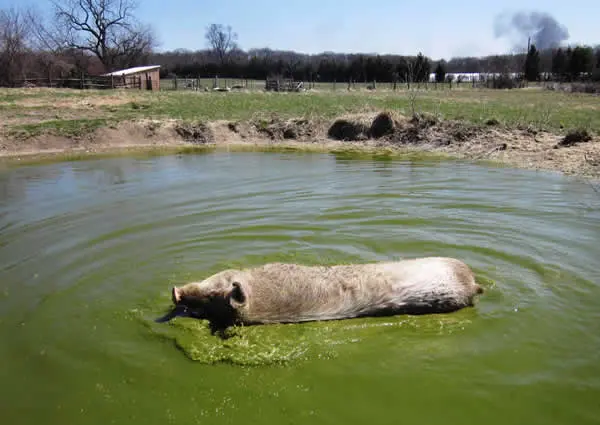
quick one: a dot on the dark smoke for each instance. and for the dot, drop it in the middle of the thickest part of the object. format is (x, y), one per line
(545, 31)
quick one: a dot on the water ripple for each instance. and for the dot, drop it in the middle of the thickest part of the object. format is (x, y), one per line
(90, 249)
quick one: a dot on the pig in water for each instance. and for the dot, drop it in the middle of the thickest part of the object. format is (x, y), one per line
(288, 293)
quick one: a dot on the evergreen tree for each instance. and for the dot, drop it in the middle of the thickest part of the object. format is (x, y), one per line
(422, 67)
(580, 61)
(559, 64)
(440, 72)
(596, 72)
(532, 64)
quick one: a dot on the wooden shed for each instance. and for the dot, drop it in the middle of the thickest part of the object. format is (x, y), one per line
(139, 77)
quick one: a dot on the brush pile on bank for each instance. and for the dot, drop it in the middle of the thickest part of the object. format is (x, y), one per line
(384, 128)
(574, 138)
(281, 129)
(393, 128)
(197, 133)
(349, 130)
(361, 127)
(489, 139)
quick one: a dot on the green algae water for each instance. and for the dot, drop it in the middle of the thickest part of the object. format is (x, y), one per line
(90, 249)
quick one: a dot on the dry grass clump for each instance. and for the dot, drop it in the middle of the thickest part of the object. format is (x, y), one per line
(349, 129)
(383, 125)
(574, 137)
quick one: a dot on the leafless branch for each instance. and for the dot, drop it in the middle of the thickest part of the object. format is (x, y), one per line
(222, 40)
(104, 28)
(14, 37)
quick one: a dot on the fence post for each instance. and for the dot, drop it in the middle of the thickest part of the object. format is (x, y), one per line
(81, 82)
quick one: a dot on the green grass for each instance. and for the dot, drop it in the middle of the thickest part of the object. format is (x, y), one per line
(68, 128)
(531, 108)
(540, 109)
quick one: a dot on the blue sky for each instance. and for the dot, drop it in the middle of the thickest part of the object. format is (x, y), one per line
(438, 28)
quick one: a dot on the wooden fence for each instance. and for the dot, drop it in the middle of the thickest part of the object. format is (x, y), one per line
(207, 83)
(284, 84)
(84, 82)
(271, 84)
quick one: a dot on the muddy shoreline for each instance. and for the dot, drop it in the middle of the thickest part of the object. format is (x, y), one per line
(369, 133)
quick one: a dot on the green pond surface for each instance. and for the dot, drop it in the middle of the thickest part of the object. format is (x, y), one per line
(90, 249)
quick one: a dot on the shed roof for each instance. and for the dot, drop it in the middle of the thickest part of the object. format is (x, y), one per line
(133, 70)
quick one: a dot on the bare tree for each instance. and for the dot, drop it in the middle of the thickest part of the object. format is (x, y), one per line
(14, 34)
(105, 28)
(222, 41)
(409, 71)
(46, 34)
(47, 40)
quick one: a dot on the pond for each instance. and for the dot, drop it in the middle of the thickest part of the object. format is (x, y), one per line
(89, 251)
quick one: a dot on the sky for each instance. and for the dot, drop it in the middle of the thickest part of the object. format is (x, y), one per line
(437, 28)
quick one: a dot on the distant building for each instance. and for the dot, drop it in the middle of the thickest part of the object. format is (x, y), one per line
(139, 77)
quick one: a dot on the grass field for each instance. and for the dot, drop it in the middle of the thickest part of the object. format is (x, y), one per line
(69, 112)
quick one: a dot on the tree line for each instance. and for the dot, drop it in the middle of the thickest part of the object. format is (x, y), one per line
(78, 37)
(566, 64)
(96, 36)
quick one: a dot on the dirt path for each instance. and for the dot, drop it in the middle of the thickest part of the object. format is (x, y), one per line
(523, 148)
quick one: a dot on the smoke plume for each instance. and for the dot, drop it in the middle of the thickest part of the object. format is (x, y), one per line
(545, 31)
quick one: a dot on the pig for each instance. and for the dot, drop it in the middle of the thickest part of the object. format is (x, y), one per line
(293, 293)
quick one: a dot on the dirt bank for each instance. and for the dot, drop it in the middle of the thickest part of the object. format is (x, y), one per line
(575, 153)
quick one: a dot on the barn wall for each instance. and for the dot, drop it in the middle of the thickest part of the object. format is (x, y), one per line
(155, 76)
(132, 80)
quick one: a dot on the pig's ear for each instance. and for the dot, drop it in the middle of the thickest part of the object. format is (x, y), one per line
(175, 295)
(237, 294)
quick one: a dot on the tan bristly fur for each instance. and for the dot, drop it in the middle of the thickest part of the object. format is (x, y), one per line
(280, 292)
